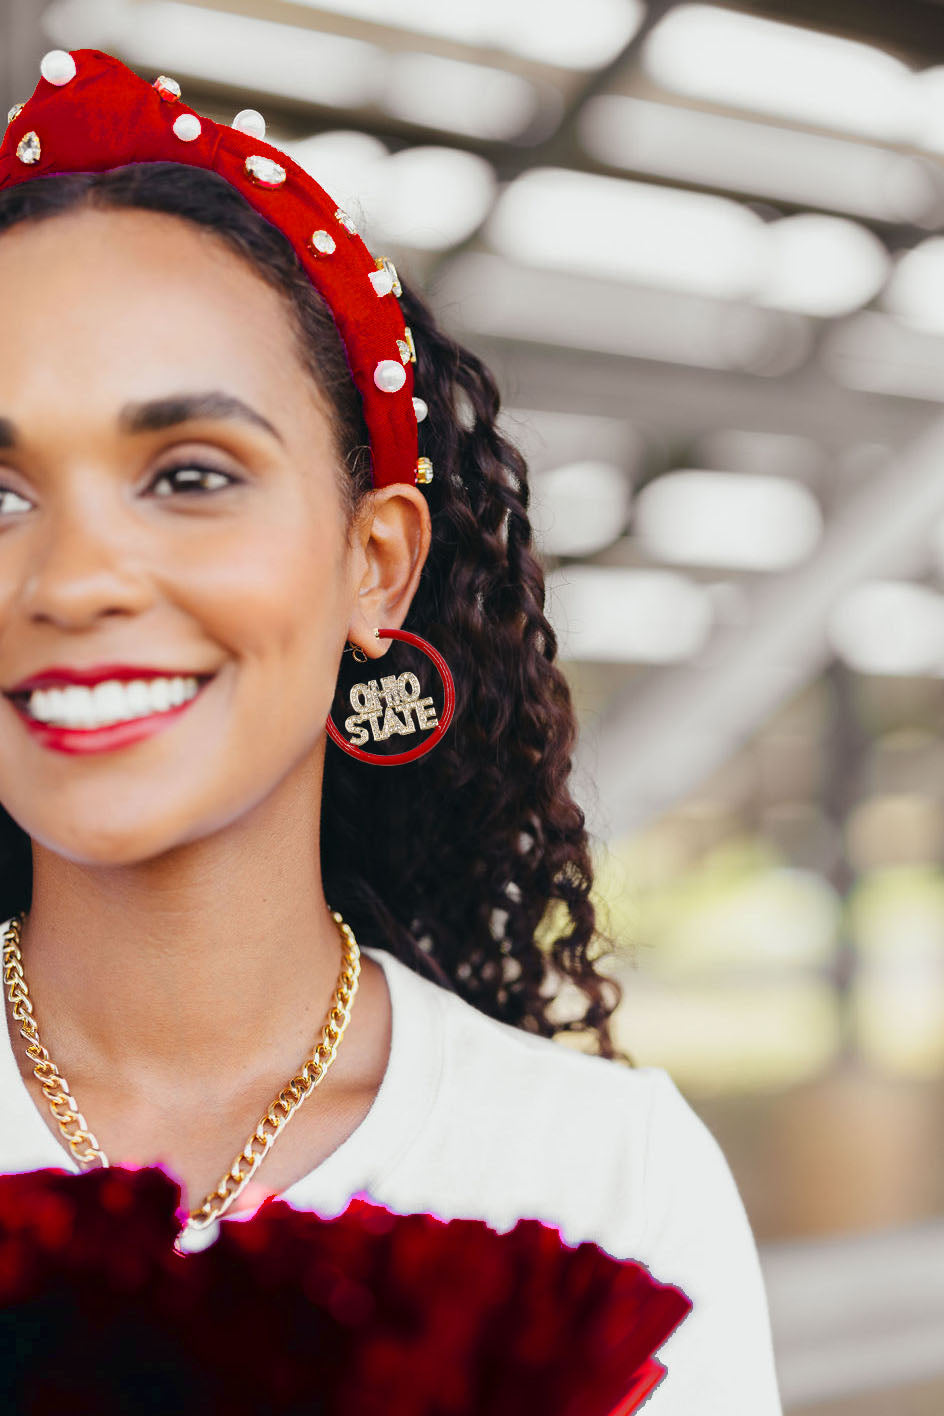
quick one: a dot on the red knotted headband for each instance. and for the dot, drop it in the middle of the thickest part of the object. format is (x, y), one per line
(90, 113)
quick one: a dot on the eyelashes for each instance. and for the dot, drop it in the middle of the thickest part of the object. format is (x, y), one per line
(167, 475)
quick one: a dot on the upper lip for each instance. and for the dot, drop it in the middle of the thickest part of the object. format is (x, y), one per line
(97, 673)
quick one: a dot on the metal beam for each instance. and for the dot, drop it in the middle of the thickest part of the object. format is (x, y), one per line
(560, 147)
(658, 742)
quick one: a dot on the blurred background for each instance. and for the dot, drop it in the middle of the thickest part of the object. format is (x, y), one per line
(699, 245)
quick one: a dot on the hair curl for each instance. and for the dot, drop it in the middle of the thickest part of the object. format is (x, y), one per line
(489, 849)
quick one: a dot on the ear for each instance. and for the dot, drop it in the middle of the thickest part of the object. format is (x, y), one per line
(391, 542)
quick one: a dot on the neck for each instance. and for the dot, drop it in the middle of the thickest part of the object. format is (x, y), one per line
(187, 975)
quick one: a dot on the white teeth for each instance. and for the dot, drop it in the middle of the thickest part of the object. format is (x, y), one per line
(160, 694)
(108, 701)
(111, 702)
(138, 700)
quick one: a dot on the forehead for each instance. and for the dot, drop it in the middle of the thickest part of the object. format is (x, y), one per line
(107, 306)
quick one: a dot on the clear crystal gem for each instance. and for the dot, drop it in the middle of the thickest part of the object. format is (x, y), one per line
(28, 149)
(169, 89)
(380, 280)
(346, 221)
(424, 470)
(406, 347)
(15, 111)
(322, 242)
(264, 171)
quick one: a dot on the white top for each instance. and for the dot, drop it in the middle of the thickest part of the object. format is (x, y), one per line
(476, 1119)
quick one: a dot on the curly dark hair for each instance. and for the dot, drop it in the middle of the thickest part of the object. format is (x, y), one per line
(489, 858)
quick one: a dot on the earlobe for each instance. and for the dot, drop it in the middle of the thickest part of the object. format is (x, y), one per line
(394, 541)
(356, 651)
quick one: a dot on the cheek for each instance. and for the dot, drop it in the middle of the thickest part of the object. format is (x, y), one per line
(267, 592)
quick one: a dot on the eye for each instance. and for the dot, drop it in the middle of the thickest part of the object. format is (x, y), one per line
(195, 475)
(8, 492)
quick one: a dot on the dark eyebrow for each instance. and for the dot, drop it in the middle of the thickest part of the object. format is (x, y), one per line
(161, 413)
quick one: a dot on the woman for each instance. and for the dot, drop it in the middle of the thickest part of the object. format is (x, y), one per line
(194, 488)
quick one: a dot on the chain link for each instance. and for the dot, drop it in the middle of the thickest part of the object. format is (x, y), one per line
(279, 1112)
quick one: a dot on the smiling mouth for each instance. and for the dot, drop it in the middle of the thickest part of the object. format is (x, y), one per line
(72, 708)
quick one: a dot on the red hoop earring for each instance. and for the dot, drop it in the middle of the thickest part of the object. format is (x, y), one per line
(370, 705)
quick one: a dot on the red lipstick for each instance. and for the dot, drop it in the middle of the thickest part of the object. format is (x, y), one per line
(97, 673)
(78, 741)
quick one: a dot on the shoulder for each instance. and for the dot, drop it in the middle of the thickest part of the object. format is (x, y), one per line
(495, 1056)
(501, 1071)
(626, 1134)
(541, 1071)
(548, 1128)
(558, 1122)
(538, 1079)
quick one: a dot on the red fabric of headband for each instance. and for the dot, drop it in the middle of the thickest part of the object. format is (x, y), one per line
(105, 116)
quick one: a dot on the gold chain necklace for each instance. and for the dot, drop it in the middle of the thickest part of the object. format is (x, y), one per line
(75, 1128)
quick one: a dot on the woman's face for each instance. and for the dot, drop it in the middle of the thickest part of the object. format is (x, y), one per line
(111, 320)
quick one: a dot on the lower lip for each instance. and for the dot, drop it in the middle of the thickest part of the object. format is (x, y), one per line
(82, 740)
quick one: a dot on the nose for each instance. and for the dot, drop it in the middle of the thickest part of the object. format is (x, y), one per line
(79, 567)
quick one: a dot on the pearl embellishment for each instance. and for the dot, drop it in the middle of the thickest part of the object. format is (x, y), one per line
(389, 375)
(420, 408)
(251, 121)
(322, 243)
(57, 67)
(187, 127)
